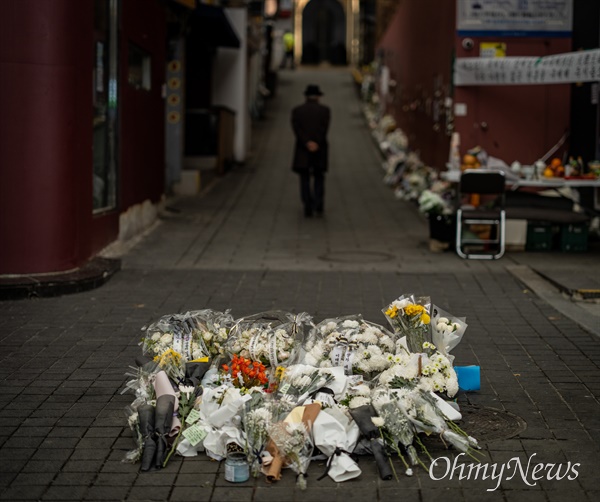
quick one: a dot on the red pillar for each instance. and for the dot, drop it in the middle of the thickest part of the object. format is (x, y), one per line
(46, 60)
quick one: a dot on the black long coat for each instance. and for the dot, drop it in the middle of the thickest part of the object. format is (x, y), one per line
(310, 122)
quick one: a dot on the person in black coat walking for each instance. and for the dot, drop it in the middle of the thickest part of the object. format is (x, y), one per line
(310, 122)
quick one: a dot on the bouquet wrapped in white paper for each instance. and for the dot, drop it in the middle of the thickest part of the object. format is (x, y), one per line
(336, 434)
(220, 417)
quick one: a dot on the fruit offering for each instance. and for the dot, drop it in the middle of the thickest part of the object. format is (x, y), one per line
(469, 161)
(555, 169)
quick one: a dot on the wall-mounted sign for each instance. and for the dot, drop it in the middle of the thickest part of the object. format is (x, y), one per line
(514, 18)
(571, 67)
(492, 50)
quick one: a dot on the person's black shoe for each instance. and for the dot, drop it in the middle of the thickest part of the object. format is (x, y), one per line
(308, 212)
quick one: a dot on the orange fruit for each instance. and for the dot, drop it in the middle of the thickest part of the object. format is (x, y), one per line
(555, 162)
(548, 172)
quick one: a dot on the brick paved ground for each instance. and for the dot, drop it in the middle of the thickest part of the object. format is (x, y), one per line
(245, 246)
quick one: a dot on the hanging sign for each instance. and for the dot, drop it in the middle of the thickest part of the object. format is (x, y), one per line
(571, 67)
(520, 18)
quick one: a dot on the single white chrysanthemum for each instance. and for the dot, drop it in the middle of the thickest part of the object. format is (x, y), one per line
(358, 401)
(378, 421)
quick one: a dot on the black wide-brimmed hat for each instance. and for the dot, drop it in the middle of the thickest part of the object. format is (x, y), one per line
(312, 90)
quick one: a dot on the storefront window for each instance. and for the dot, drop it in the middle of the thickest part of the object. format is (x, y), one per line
(105, 105)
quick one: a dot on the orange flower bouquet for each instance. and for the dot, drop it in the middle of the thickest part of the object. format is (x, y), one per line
(245, 373)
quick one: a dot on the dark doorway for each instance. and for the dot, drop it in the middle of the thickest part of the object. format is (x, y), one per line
(584, 138)
(323, 33)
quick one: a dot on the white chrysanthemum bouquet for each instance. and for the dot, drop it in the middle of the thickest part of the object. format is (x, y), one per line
(273, 338)
(361, 347)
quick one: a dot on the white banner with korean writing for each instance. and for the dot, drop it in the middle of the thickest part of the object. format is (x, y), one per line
(572, 67)
(514, 17)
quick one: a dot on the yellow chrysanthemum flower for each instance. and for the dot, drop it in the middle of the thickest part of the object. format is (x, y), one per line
(168, 357)
(413, 310)
(392, 311)
(425, 319)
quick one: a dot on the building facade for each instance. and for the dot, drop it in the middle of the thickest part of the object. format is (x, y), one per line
(97, 98)
(420, 43)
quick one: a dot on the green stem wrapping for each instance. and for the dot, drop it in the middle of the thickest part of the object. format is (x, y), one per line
(172, 450)
(424, 449)
(471, 452)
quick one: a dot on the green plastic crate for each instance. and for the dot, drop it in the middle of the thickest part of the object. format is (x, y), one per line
(573, 237)
(539, 236)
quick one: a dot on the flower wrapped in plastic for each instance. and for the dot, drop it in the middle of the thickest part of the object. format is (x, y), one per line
(261, 412)
(446, 330)
(397, 430)
(195, 334)
(210, 332)
(245, 374)
(291, 441)
(169, 343)
(256, 419)
(361, 347)
(298, 381)
(133, 420)
(141, 384)
(429, 415)
(410, 317)
(273, 338)
(430, 369)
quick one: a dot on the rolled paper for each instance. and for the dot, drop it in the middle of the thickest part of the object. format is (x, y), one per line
(362, 416)
(163, 387)
(163, 419)
(273, 470)
(382, 459)
(146, 415)
(310, 414)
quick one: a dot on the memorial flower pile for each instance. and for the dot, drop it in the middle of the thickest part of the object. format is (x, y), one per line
(281, 389)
